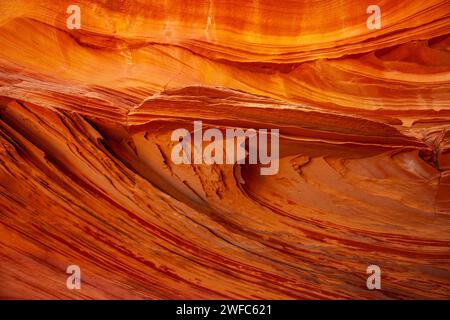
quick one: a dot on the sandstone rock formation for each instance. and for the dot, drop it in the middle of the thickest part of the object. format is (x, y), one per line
(86, 177)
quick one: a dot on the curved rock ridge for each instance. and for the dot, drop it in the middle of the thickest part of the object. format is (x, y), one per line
(86, 170)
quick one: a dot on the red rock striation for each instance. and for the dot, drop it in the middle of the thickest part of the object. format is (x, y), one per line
(86, 176)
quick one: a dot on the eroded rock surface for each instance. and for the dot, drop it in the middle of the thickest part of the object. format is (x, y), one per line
(86, 176)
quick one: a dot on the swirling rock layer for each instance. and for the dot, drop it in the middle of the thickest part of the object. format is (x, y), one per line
(86, 176)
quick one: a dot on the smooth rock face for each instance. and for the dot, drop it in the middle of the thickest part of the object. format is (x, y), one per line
(86, 176)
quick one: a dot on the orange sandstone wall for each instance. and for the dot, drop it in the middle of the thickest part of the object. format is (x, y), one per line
(86, 176)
